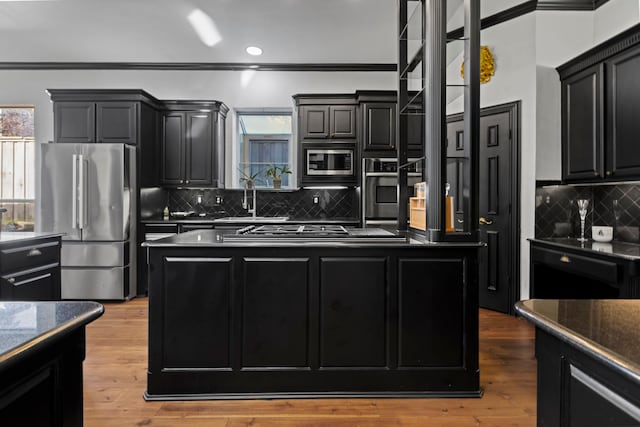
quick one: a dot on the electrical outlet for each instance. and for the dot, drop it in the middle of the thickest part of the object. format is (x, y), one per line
(199, 199)
(218, 200)
(316, 199)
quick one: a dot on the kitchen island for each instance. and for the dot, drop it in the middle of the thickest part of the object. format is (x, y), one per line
(42, 346)
(298, 317)
(588, 355)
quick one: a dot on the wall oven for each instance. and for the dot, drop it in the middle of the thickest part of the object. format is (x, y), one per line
(380, 189)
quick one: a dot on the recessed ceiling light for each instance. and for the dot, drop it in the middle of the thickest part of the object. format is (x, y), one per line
(254, 50)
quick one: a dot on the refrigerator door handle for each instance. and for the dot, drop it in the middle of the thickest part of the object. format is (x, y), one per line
(82, 209)
(74, 191)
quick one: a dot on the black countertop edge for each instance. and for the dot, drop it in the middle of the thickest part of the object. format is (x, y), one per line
(31, 346)
(197, 220)
(17, 236)
(216, 238)
(623, 250)
(604, 355)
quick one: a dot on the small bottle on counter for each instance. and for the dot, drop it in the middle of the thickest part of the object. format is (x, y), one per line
(165, 213)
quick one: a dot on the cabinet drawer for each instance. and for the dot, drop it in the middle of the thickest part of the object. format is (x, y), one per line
(15, 258)
(161, 228)
(36, 284)
(606, 271)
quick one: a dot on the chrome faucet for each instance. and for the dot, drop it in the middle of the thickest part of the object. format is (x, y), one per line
(251, 208)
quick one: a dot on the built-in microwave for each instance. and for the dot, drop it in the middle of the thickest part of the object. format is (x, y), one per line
(334, 161)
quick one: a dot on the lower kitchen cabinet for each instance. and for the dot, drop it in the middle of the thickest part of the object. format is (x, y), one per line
(562, 268)
(587, 361)
(30, 269)
(283, 321)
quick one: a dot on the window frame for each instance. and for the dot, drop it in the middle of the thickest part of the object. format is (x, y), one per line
(237, 157)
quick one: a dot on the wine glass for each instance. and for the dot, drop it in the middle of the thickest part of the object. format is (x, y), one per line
(583, 205)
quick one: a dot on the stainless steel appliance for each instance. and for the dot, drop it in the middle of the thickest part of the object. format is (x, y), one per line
(88, 192)
(330, 161)
(303, 233)
(380, 189)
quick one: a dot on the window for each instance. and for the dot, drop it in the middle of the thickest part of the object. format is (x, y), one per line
(263, 140)
(17, 164)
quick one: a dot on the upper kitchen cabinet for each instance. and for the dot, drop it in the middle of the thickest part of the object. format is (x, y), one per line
(379, 113)
(582, 125)
(600, 101)
(326, 117)
(127, 116)
(192, 149)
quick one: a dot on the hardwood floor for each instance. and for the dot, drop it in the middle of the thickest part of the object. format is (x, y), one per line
(115, 380)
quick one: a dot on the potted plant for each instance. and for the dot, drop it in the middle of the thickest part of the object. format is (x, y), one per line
(248, 180)
(276, 173)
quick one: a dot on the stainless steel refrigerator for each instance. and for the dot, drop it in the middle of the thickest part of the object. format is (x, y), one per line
(88, 192)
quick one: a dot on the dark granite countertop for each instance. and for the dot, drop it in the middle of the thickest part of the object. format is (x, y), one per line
(15, 236)
(26, 326)
(628, 251)
(237, 220)
(605, 329)
(359, 237)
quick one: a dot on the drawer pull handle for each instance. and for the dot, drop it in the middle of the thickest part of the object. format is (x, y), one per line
(11, 280)
(565, 258)
(34, 252)
(30, 280)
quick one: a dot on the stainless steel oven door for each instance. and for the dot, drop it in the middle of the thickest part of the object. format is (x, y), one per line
(381, 195)
(333, 162)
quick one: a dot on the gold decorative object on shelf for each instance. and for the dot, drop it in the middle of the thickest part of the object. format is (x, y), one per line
(487, 66)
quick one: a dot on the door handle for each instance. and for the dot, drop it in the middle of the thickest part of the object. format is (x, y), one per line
(81, 198)
(74, 191)
(484, 221)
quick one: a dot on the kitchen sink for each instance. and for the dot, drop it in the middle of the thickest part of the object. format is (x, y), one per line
(264, 219)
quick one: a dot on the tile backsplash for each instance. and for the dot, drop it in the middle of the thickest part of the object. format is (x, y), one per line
(332, 203)
(616, 205)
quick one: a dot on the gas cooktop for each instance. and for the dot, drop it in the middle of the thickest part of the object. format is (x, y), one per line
(312, 232)
(296, 230)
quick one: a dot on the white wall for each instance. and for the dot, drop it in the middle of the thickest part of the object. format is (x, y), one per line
(263, 89)
(513, 46)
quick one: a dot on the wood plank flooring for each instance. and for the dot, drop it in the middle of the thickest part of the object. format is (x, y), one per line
(115, 380)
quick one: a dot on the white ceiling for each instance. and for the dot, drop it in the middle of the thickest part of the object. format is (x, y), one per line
(289, 31)
(306, 31)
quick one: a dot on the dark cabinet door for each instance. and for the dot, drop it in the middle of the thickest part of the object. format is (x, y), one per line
(623, 114)
(183, 329)
(379, 126)
(583, 128)
(415, 133)
(199, 148)
(74, 121)
(42, 284)
(342, 119)
(315, 122)
(173, 143)
(116, 122)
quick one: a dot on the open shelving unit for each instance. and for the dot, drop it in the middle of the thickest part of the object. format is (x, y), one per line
(422, 91)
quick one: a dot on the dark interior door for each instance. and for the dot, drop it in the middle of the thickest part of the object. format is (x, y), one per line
(495, 211)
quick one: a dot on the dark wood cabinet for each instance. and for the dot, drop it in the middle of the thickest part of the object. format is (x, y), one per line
(579, 388)
(379, 119)
(192, 146)
(328, 121)
(379, 125)
(582, 125)
(96, 122)
(623, 112)
(599, 112)
(30, 270)
(266, 321)
(559, 271)
(110, 116)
